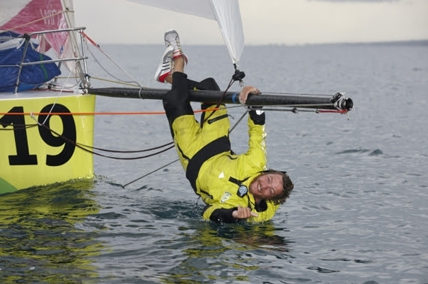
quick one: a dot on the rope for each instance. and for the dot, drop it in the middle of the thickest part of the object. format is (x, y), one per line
(88, 148)
(115, 82)
(269, 108)
(38, 20)
(170, 163)
(126, 152)
(111, 59)
(56, 99)
(220, 100)
(95, 113)
(238, 76)
(137, 179)
(239, 120)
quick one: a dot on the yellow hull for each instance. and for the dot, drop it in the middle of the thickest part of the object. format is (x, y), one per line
(44, 150)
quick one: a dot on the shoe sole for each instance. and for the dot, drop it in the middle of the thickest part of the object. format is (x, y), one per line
(162, 66)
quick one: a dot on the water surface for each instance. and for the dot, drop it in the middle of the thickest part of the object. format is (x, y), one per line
(358, 213)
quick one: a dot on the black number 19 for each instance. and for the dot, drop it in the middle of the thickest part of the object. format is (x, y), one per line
(23, 156)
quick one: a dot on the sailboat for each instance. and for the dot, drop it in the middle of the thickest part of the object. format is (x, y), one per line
(46, 99)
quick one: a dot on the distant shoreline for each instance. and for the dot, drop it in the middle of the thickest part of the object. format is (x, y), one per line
(396, 43)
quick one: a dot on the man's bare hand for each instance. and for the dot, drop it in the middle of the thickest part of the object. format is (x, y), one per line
(243, 213)
(246, 91)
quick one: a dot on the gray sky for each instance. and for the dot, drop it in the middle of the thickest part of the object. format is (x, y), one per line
(265, 22)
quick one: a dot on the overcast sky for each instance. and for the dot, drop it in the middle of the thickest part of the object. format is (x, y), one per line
(265, 22)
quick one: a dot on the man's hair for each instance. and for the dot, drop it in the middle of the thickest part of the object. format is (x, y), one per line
(287, 185)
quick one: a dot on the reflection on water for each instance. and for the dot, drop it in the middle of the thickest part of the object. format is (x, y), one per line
(231, 253)
(357, 214)
(156, 235)
(228, 253)
(40, 241)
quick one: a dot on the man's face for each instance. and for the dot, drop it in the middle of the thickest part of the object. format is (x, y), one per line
(266, 186)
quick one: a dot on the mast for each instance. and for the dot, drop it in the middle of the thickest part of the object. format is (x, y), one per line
(79, 70)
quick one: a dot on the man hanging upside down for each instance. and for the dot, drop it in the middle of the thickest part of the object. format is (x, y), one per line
(234, 187)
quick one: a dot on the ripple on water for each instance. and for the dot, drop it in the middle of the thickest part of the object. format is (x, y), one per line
(375, 152)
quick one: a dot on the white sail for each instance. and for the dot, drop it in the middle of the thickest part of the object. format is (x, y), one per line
(225, 12)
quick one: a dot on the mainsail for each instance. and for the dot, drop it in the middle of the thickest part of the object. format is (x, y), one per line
(225, 12)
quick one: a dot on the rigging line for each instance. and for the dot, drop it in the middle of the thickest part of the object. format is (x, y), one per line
(55, 85)
(296, 94)
(126, 152)
(239, 120)
(220, 100)
(81, 145)
(212, 112)
(85, 113)
(296, 110)
(135, 180)
(103, 68)
(37, 20)
(99, 154)
(127, 158)
(302, 106)
(96, 113)
(56, 99)
(121, 82)
(18, 127)
(170, 163)
(118, 158)
(111, 59)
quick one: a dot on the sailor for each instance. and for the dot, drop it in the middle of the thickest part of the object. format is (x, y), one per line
(234, 187)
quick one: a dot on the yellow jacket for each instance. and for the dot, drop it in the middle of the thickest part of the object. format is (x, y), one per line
(218, 178)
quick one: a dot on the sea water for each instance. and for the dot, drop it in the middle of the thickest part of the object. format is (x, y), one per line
(358, 213)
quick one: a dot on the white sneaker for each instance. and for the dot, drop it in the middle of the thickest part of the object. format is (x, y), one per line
(172, 38)
(166, 66)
